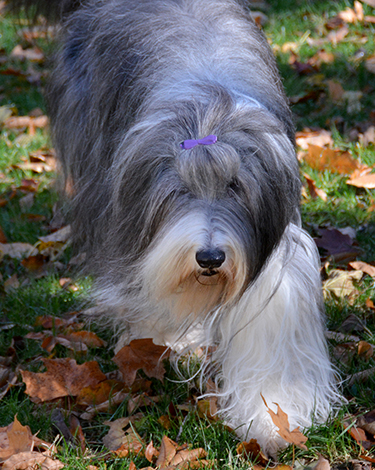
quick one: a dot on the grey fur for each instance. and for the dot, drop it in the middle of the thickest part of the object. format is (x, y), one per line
(133, 79)
(187, 68)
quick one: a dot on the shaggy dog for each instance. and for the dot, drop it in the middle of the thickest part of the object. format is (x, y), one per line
(170, 119)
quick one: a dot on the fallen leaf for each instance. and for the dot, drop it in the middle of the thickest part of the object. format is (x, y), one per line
(280, 420)
(11, 283)
(369, 2)
(141, 400)
(349, 15)
(359, 435)
(337, 36)
(337, 161)
(34, 263)
(31, 460)
(367, 422)
(362, 376)
(365, 350)
(322, 464)
(64, 377)
(208, 408)
(313, 189)
(168, 450)
(188, 456)
(252, 451)
(165, 421)
(122, 443)
(151, 453)
(15, 438)
(362, 179)
(335, 91)
(352, 323)
(141, 354)
(320, 138)
(17, 250)
(337, 245)
(33, 54)
(62, 235)
(340, 283)
(100, 393)
(364, 267)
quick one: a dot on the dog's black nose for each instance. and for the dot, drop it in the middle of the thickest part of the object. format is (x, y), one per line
(209, 259)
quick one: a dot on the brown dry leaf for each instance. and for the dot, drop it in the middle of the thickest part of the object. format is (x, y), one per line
(322, 464)
(344, 352)
(168, 450)
(165, 421)
(335, 91)
(100, 393)
(187, 455)
(369, 19)
(359, 435)
(11, 283)
(367, 422)
(115, 400)
(362, 376)
(35, 264)
(207, 408)
(14, 438)
(364, 267)
(280, 419)
(29, 185)
(337, 161)
(362, 179)
(141, 354)
(120, 442)
(348, 15)
(31, 461)
(313, 189)
(365, 350)
(337, 36)
(33, 54)
(151, 453)
(340, 283)
(322, 57)
(49, 322)
(20, 122)
(358, 8)
(141, 400)
(62, 235)
(17, 250)
(252, 451)
(89, 338)
(369, 2)
(64, 377)
(132, 466)
(370, 304)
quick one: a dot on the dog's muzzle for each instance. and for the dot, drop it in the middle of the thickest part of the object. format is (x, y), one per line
(210, 260)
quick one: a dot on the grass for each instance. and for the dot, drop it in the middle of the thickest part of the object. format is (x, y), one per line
(346, 206)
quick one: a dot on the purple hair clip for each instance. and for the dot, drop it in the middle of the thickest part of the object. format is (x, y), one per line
(189, 144)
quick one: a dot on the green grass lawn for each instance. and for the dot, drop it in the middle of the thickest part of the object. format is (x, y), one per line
(298, 32)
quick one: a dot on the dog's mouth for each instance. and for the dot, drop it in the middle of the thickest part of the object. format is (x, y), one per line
(209, 272)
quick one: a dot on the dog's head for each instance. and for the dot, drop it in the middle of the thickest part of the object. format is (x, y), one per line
(202, 222)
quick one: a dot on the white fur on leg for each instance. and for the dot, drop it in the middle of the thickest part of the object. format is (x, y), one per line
(272, 344)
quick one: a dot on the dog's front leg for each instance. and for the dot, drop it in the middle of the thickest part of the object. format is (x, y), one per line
(273, 345)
